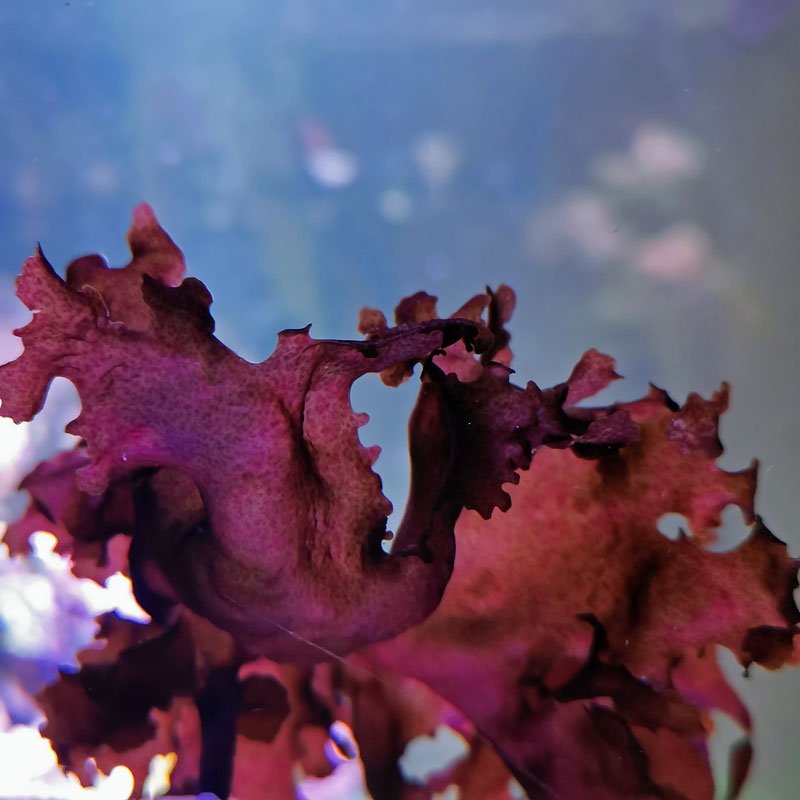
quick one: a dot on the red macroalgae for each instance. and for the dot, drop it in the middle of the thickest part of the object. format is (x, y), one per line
(528, 586)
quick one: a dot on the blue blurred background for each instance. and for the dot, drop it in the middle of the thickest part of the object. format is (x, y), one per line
(630, 167)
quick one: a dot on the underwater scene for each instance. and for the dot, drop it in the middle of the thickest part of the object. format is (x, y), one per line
(477, 479)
